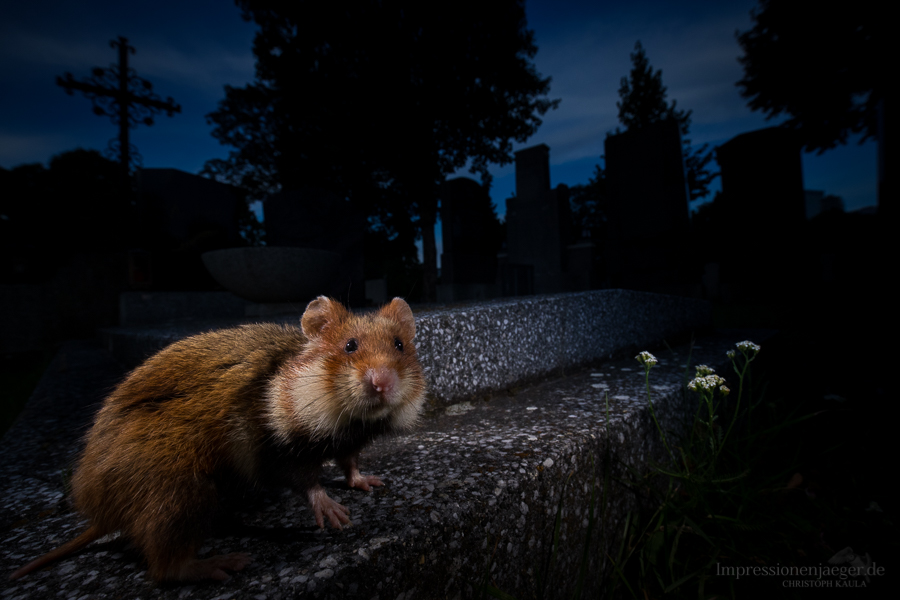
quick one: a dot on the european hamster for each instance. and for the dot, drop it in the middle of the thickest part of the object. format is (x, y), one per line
(245, 405)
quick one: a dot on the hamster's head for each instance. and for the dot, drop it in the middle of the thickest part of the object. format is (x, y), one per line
(354, 368)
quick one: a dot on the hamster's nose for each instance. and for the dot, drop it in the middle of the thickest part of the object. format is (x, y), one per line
(383, 380)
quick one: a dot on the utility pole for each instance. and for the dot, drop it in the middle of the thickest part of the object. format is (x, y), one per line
(117, 92)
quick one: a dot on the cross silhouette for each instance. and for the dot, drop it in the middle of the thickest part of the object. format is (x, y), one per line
(119, 93)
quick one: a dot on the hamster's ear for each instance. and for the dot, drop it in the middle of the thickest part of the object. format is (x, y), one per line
(321, 314)
(398, 310)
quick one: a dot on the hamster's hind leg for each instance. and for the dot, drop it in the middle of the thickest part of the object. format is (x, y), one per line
(171, 537)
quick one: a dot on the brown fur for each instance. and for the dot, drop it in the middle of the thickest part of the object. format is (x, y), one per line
(245, 404)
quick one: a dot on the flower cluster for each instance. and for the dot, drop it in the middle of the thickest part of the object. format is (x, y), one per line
(707, 382)
(703, 370)
(646, 359)
(748, 347)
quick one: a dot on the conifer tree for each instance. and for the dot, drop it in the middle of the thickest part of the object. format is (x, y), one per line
(643, 102)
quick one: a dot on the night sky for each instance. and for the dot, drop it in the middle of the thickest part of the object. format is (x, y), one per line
(190, 49)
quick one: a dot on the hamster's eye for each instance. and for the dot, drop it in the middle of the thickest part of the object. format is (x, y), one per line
(398, 344)
(351, 346)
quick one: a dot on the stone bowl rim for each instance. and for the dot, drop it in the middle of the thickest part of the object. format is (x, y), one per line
(233, 282)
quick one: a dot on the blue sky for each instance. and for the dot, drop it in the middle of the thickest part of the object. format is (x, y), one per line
(190, 49)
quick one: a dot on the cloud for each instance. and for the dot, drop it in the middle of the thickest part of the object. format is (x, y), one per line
(208, 66)
(36, 49)
(201, 66)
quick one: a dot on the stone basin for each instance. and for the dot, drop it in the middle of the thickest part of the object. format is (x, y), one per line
(272, 273)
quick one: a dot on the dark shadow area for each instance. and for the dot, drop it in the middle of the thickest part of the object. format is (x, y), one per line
(19, 375)
(829, 469)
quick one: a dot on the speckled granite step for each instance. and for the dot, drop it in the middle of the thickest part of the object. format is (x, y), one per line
(472, 493)
(482, 348)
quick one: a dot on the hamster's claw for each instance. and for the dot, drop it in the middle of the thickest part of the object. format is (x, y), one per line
(363, 482)
(323, 506)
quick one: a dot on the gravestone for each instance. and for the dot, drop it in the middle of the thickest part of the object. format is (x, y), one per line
(313, 218)
(471, 239)
(181, 216)
(538, 221)
(762, 179)
(817, 202)
(764, 208)
(648, 209)
(813, 200)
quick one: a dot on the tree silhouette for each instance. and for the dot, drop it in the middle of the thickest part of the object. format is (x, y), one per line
(72, 206)
(643, 95)
(825, 67)
(375, 95)
(588, 205)
(245, 120)
(643, 101)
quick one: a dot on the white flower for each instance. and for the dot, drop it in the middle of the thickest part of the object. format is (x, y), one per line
(646, 359)
(703, 370)
(730, 354)
(697, 384)
(706, 382)
(748, 347)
